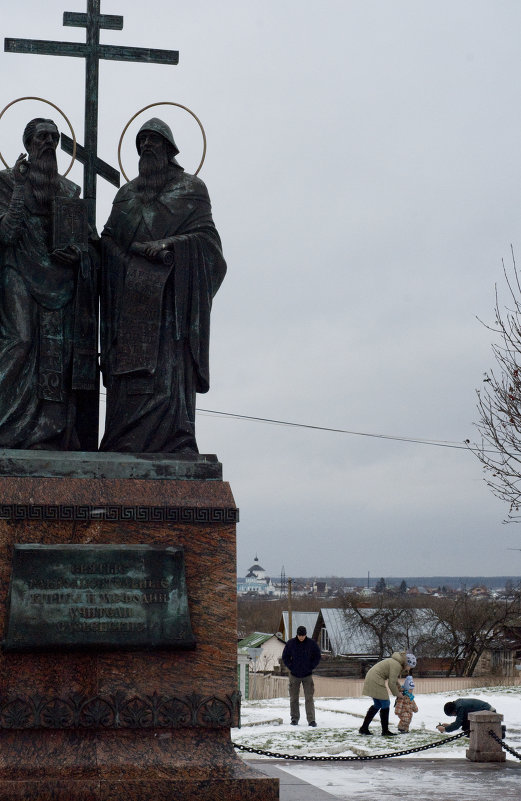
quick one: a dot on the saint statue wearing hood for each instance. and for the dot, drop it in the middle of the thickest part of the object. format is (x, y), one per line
(162, 264)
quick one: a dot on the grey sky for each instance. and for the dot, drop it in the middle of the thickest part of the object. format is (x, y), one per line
(364, 166)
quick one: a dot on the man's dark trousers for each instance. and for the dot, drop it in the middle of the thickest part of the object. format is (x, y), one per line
(294, 689)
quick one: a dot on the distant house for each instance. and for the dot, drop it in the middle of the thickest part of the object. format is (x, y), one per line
(338, 638)
(264, 650)
(503, 656)
(331, 630)
(480, 592)
(320, 588)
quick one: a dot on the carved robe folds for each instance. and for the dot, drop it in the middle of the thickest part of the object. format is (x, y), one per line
(48, 348)
(155, 317)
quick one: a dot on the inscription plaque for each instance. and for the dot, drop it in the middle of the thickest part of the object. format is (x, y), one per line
(97, 596)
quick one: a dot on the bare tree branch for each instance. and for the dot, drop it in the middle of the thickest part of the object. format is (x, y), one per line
(499, 402)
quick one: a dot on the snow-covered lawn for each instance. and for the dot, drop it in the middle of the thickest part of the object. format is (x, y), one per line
(338, 721)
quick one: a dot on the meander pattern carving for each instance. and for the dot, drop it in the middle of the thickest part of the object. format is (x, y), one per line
(116, 513)
(118, 711)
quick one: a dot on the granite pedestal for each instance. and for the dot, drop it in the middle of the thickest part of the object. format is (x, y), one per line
(125, 724)
(483, 747)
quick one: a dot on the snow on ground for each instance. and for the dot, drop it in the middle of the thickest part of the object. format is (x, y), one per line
(338, 721)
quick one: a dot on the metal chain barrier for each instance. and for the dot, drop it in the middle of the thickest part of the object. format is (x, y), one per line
(503, 744)
(274, 755)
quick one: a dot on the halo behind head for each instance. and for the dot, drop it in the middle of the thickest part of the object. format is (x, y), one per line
(48, 102)
(152, 105)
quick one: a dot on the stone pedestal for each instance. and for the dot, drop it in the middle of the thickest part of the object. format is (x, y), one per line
(115, 724)
(482, 747)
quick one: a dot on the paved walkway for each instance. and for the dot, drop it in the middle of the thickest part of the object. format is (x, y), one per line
(404, 779)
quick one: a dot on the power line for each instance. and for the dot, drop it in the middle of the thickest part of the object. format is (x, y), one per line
(465, 446)
(434, 442)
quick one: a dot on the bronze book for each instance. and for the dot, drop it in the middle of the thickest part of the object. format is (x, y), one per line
(70, 226)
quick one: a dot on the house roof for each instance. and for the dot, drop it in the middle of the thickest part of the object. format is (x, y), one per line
(255, 640)
(307, 619)
(348, 639)
(344, 639)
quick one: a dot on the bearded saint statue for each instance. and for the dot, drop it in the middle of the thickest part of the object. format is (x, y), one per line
(162, 264)
(48, 347)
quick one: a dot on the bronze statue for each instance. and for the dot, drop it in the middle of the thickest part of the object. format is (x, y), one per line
(162, 264)
(48, 348)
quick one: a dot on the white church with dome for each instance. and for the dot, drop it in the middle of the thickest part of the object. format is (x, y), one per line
(256, 582)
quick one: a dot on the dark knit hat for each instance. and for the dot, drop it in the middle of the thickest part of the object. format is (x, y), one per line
(301, 631)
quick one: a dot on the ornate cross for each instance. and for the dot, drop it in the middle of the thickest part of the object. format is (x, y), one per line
(73, 217)
(91, 51)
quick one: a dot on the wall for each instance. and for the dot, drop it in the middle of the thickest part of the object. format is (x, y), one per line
(277, 686)
(271, 653)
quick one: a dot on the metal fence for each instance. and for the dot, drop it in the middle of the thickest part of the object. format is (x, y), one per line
(264, 686)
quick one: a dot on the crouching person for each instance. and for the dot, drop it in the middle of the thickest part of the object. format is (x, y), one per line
(461, 708)
(374, 685)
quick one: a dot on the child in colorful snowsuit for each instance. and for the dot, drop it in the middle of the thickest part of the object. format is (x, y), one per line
(405, 705)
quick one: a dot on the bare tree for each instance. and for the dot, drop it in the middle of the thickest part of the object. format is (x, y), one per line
(383, 626)
(463, 627)
(499, 402)
(459, 628)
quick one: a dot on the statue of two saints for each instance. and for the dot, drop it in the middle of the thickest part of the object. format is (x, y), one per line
(154, 271)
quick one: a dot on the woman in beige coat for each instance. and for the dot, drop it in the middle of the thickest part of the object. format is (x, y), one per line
(374, 685)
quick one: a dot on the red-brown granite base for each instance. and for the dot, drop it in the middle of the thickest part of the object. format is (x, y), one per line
(132, 725)
(127, 766)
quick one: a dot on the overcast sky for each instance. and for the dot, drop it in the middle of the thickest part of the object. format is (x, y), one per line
(364, 166)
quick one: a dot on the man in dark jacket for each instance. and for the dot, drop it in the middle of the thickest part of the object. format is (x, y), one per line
(301, 655)
(462, 707)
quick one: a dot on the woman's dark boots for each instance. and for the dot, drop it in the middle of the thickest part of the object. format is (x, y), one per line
(384, 717)
(364, 728)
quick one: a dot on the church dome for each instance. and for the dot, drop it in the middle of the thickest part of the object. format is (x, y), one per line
(256, 568)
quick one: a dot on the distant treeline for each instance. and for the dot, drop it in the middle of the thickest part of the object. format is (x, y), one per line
(452, 582)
